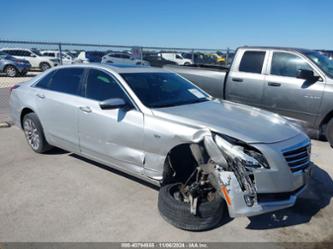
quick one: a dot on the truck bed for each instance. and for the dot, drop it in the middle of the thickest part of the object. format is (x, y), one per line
(210, 78)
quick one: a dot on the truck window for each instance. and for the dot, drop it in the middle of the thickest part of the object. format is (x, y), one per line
(252, 62)
(286, 64)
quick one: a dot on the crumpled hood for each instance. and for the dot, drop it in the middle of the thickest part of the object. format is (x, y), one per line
(249, 124)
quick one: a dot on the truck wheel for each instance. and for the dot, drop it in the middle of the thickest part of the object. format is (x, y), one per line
(329, 132)
(11, 71)
(34, 133)
(44, 66)
(177, 212)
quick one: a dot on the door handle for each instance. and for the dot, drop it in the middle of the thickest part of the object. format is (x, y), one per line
(86, 109)
(237, 79)
(274, 84)
(40, 95)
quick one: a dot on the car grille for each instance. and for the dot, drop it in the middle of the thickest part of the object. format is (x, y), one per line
(299, 158)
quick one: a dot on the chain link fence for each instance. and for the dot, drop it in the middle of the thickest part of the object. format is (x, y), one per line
(22, 60)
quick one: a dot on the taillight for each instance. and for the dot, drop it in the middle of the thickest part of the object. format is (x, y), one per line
(13, 87)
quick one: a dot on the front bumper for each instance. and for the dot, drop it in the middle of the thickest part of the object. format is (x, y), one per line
(284, 200)
(276, 188)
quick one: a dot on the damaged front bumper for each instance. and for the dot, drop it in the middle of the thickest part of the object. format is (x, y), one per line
(265, 203)
(250, 190)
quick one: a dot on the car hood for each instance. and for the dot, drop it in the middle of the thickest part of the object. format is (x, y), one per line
(249, 124)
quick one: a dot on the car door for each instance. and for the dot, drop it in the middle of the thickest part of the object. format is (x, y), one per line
(246, 79)
(58, 101)
(113, 136)
(288, 95)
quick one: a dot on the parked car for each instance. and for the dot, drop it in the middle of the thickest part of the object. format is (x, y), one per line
(65, 57)
(35, 58)
(176, 57)
(122, 58)
(157, 61)
(89, 57)
(295, 83)
(328, 53)
(160, 127)
(13, 67)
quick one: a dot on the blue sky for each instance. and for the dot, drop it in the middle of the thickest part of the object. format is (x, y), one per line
(173, 23)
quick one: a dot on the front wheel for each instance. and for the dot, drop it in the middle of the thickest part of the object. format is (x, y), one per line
(34, 133)
(177, 212)
(329, 132)
(11, 71)
(44, 66)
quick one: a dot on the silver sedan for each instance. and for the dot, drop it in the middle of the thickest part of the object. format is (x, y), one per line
(207, 155)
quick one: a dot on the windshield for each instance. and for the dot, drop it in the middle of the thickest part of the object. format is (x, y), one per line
(322, 61)
(164, 89)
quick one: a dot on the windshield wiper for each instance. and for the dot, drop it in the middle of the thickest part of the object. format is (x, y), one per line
(181, 103)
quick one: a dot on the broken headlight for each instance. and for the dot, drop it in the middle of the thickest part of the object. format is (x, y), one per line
(238, 150)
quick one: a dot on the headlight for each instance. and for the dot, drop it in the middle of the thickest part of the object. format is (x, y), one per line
(236, 150)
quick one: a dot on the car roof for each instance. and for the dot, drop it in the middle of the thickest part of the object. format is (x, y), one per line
(301, 50)
(118, 68)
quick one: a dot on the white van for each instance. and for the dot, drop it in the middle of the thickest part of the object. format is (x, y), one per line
(176, 57)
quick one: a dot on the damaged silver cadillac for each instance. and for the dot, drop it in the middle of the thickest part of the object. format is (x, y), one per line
(208, 155)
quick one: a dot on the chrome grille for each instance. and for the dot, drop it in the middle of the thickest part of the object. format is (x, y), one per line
(298, 158)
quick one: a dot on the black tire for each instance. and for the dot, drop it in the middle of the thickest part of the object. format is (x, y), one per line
(32, 120)
(23, 74)
(11, 71)
(44, 66)
(329, 132)
(209, 214)
(187, 63)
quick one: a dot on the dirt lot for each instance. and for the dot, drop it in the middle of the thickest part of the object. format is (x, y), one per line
(63, 197)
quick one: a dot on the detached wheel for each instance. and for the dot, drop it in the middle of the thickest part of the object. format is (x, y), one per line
(34, 133)
(176, 212)
(329, 132)
(11, 71)
(44, 66)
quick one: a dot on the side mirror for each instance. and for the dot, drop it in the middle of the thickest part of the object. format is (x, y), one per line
(114, 103)
(305, 74)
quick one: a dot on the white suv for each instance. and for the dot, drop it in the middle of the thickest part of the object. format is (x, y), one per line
(176, 57)
(36, 59)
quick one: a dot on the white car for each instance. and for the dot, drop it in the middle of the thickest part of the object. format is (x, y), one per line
(36, 59)
(176, 57)
(122, 58)
(66, 58)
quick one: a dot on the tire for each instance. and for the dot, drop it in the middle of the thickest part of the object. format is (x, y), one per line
(209, 214)
(11, 71)
(329, 132)
(44, 66)
(34, 133)
(187, 63)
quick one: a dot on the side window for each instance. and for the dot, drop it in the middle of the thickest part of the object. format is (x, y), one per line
(101, 86)
(44, 82)
(285, 64)
(11, 52)
(126, 56)
(24, 53)
(67, 80)
(252, 62)
(178, 56)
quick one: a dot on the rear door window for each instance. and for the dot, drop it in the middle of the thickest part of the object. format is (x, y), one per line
(252, 62)
(67, 80)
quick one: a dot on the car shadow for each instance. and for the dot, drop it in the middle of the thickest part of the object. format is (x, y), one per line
(309, 203)
(56, 151)
(115, 171)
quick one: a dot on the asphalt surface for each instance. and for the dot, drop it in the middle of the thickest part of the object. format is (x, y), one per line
(60, 197)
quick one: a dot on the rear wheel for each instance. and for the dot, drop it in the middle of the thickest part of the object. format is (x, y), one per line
(329, 132)
(178, 213)
(34, 133)
(44, 66)
(11, 71)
